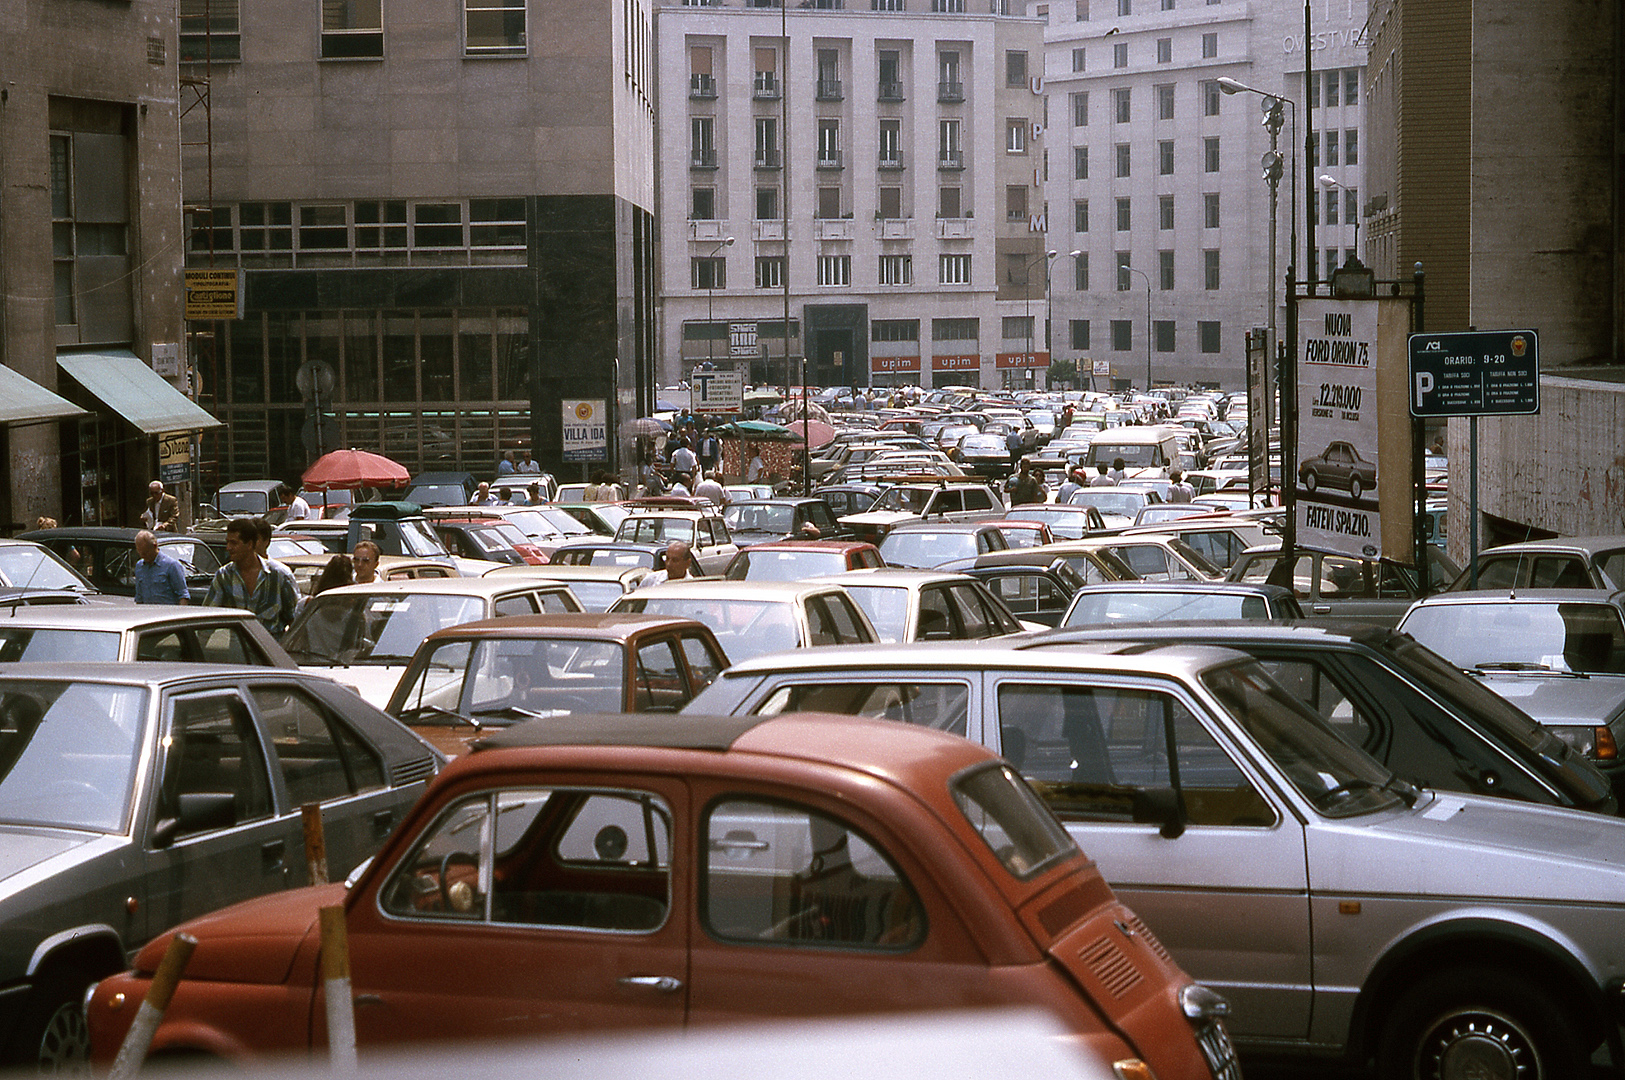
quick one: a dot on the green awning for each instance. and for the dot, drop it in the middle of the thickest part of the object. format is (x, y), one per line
(24, 401)
(125, 384)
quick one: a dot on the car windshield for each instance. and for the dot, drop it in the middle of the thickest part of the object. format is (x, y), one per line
(237, 503)
(596, 595)
(744, 628)
(653, 529)
(371, 628)
(983, 444)
(562, 521)
(927, 549)
(1134, 455)
(501, 682)
(34, 567)
(68, 753)
(757, 517)
(19, 643)
(1012, 820)
(1107, 607)
(606, 555)
(909, 500)
(785, 565)
(418, 539)
(1558, 636)
(1337, 779)
(887, 608)
(1108, 501)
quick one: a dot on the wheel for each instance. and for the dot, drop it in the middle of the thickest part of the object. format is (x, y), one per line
(51, 1036)
(1310, 480)
(1479, 1023)
(1355, 487)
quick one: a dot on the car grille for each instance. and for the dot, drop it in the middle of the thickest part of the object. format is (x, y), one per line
(411, 771)
(1219, 1051)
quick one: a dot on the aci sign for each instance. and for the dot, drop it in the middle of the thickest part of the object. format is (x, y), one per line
(1484, 373)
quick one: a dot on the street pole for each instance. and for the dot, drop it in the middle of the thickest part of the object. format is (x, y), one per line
(1147, 278)
(1027, 294)
(710, 332)
(1049, 308)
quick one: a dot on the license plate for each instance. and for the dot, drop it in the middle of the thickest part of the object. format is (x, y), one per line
(1219, 1052)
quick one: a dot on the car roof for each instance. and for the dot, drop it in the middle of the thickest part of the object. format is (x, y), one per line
(1302, 632)
(480, 586)
(811, 545)
(564, 571)
(983, 525)
(725, 589)
(146, 673)
(1588, 544)
(1248, 588)
(1115, 656)
(100, 532)
(618, 626)
(776, 500)
(890, 576)
(1525, 595)
(96, 617)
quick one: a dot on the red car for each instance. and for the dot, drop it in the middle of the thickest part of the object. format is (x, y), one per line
(492, 539)
(593, 873)
(797, 560)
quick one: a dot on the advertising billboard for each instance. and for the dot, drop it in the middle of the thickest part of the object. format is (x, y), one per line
(1338, 427)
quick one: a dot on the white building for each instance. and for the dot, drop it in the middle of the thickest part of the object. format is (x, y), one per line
(1153, 167)
(878, 184)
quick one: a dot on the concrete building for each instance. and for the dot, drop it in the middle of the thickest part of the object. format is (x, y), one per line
(90, 221)
(1156, 168)
(869, 178)
(443, 214)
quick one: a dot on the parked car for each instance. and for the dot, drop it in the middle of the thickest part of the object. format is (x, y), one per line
(12, 597)
(73, 635)
(762, 521)
(135, 796)
(364, 635)
(1344, 912)
(1570, 562)
(489, 538)
(796, 560)
(609, 552)
(1118, 506)
(27, 565)
(846, 499)
(442, 489)
(597, 587)
(1333, 585)
(1151, 601)
(467, 681)
(1066, 522)
(750, 618)
(1340, 466)
(600, 518)
(1151, 556)
(308, 568)
(913, 501)
(925, 605)
(691, 875)
(928, 544)
(1091, 566)
(105, 556)
(706, 535)
(1024, 532)
(1033, 594)
(1219, 537)
(248, 498)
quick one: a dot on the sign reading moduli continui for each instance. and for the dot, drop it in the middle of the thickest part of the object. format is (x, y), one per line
(1337, 428)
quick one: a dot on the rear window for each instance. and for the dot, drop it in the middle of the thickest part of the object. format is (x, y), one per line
(1011, 819)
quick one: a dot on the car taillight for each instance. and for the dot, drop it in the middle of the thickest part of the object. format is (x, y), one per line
(1132, 1069)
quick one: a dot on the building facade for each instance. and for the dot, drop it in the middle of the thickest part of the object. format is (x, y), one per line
(1156, 176)
(90, 220)
(861, 186)
(443, 217)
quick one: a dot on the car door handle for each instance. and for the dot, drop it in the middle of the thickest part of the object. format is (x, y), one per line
(382, 823)
(271, 854)
(1321, 609)
(663, 983)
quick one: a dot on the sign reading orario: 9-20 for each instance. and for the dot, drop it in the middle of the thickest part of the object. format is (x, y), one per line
(1480, 373)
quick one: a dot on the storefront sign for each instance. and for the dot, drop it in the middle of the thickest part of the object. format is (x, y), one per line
(742, 339)
(1101, 368)
(586, 430)
(972, 362)
(174, 456)
(894, 363)
(1021, 360)
(214, 294)
(1338, 430)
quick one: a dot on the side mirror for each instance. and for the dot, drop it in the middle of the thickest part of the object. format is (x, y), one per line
(199, 811)
(1160, 806)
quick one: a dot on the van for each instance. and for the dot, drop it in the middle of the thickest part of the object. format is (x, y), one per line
(1147, 452)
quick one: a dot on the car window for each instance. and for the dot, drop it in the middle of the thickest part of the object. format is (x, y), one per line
(819, 515)
(1499, 575)
(782, 874)
(1012, 821)
(1308, 680)
(1344, 578)
(976, 499)
(1147, 560)
(227, 645)
(212, 749)
(1093, 751)
(320, 757)
(887, 608)
(1611, 564)
(161, 645)
(821, 624)
(556, 601)
(944, 706)
(936, 621)
(660, 682)
(68, 753)
(704, 662)
(1558, 572)
(22, 643)
(118, 564)
(194, 557)
(973, 619)
(520, 604)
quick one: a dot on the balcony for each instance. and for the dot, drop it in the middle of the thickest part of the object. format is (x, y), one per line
(832, 228)
(766, 87)
(702, 86)
(950, 160)
(767, 230)
(829, 159)
(890, 91)
(896, 228)
(892, 160)
(706, 229)
(885, 5)
(950, 93)
(955, 228)
(767, 159)
(702, 159)
(829, 90)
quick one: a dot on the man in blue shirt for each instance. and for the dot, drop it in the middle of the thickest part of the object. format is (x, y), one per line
(159, 578)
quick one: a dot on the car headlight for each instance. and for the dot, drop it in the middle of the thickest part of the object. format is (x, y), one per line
(1201, 1003)
(1595, 742)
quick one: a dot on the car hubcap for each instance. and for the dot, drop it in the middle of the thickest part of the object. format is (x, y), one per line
(64, 1048)
(1478, 1045)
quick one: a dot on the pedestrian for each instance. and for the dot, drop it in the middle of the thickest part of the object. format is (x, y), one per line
(43, 522)
(364, 559)
(1117, 470)
(483, 496)
(159, 578)
(1074, 481)
(162, 510)
(1178, 490)
(339, 571)
(527, 465)
(534, 493)
(710, 453)
(684, 459)
(679, 565)
(504, 496)
(505, 465)
(294, 504)
(1102, 478)
(753, 472)
(708, 488)
(1012, 443)
(680, 486)
(252, 582)
(1026, 488)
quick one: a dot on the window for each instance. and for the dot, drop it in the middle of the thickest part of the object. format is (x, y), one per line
(1015, 68)
(496, 223)
(1125, 7)
(767, 142)
(896, 270)
(380, 226)
(1080, 334)
(1123, 216)
(829, 203)
(269, 226)
(1120, 54)
(90, 218)
(1167, 5)
(1123, 159)
(770, 271)
(766, 84)
(1015, 202)
(1015, 136)
(352, 29)
(948, 202)
(702, 152)
(949, 86)
(1331, 262)
(1121, 100)
(1080, 216)
(767, 203)
(709, 273)
(829, 144)
(1351, 147)
(1165, 212)
(1210, 269)
(955, 329)
(1334, 80)
(891, 71)
(1332, 140)
(894, 330)
(1165, 50)
(1165, 270)
(1165, 101)
(1210, 210)
(1078, 60)
(949, 153)
(1080, 163)
(1125, 280)
(1164, 335)
(1018, 327)
(891, 144)
(1082, 11)
(703, 206)
(1210, 154)
(701, 83)
(215, 36)
(1212, 97)
(437, 225)
(494, 27)
(834, 269)
(1165, 157)
(212, 746)
(829, 75)
(1331, 206)
(1080, 109)
(953, 270)
(1208, 332)
(1122, 335)
(1080, 271)
(320, 758)
(1351, 208)
(1210, 46)
(1351, 86)
(1016, 267)
(891, 203)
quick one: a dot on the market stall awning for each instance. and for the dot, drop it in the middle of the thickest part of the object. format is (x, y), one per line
(24, 401)
(124, 383)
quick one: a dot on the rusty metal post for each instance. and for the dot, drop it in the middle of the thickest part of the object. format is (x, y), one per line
(315, 843)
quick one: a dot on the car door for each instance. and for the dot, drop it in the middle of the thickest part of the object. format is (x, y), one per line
(1229, 894)
(1366, 590)
(531, 909)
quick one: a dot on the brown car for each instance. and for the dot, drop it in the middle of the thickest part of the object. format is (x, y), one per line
(466, 680)
(593, 874)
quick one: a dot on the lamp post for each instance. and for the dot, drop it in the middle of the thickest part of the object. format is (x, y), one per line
(1049, 305)
(711, 290)
(1027, 290)
(1329, 182)
(1147, 277)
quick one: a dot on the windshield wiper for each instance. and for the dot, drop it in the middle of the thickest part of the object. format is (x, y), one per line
(510, 710)
(440, 710)
(1525, 665)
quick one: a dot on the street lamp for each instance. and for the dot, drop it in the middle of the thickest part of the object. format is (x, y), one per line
(1049, 304)
(1329, 182)
(1142, 273)
(711, 290)
(1232, 86)
(1027, 290)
